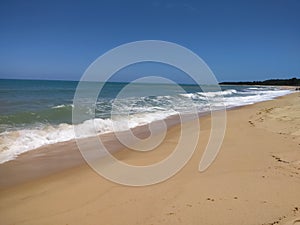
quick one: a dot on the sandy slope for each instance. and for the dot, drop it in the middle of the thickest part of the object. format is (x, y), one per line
(254, 180)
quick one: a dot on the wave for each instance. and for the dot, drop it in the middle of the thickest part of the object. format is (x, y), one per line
(135, 112)
(14, 143)
(51, 115)
(218, 93)
(209, 94)
(62, 106)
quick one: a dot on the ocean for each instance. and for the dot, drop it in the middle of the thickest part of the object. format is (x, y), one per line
(34, 113)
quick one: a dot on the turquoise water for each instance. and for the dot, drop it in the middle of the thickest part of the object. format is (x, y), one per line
(34, 113)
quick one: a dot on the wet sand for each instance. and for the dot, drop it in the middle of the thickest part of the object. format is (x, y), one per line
(254, 180)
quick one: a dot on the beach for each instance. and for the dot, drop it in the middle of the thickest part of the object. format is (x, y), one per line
(255, 179)
(149, 112)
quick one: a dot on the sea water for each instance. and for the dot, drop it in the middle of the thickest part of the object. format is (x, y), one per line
(34, 113)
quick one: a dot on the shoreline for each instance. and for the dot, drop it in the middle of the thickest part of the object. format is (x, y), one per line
(18, 140)
(56, 157)
(60, 156)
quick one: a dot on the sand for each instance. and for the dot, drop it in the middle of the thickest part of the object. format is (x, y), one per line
(254, 180)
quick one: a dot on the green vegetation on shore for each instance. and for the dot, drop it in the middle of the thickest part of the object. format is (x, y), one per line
(274, 82)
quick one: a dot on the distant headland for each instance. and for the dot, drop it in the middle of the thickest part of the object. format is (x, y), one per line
(274, 82)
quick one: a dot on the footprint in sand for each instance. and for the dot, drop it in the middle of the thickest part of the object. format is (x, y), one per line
(294, 222)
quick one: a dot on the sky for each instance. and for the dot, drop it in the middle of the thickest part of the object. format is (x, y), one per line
(239, 40)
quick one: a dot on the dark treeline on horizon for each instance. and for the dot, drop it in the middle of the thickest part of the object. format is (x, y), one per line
(280, 82)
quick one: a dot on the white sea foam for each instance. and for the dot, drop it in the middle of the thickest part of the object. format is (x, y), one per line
(60, 106)
(13, 143)
(254, 88)
(218, 93)
(255, 96)
(203, 95)
(16, 142)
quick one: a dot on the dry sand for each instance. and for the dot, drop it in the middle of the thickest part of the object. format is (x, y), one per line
(254, 180)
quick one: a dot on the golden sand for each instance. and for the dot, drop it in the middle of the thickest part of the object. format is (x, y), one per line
(254, 180)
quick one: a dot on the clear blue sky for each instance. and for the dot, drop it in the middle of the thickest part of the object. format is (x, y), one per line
(239, 40)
